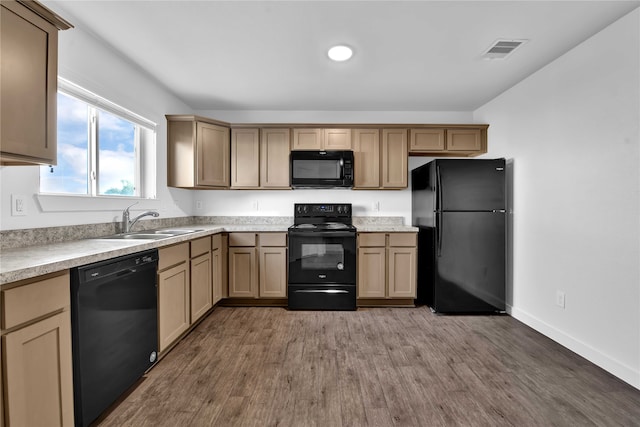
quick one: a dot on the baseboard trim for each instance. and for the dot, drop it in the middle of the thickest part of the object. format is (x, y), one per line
(624, 372)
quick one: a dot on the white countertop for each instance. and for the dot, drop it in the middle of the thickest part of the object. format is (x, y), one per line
(32, 261)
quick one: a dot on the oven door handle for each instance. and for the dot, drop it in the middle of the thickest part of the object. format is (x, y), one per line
(321, 291)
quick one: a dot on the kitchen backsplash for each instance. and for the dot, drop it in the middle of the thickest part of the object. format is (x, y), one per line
(48, 235)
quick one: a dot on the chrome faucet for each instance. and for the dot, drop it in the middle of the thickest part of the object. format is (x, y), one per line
(127, 224)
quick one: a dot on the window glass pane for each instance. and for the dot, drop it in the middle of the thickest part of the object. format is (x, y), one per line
(70, 175)
(116, 155)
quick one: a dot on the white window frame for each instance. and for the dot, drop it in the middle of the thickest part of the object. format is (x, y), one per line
(145, 150)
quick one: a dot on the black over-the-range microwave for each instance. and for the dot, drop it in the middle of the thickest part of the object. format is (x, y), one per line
(321, 169)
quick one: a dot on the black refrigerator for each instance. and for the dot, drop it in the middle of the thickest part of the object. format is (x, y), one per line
(459, 208)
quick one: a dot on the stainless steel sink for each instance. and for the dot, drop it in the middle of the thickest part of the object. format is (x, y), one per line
(164, 233)
(175, 232)
(138, 236)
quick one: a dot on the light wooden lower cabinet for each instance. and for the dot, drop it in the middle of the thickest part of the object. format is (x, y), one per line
(217, 255)
(243, 274)
(372, 272)
(174, 297)
(387, 265)
(257, 265)
(201, 286)
(273, 277)
(37, 376)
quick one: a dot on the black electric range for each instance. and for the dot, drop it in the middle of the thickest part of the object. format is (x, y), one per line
(322, 258)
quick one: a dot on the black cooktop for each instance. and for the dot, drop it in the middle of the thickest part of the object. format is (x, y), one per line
(325, 226)
(322, 217)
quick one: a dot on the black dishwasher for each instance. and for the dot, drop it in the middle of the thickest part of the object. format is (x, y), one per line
(114, 323)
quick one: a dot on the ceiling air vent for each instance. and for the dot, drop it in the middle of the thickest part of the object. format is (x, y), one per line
(501, 49)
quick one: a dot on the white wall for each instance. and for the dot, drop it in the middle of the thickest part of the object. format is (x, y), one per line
(572, 132)
(91, 64)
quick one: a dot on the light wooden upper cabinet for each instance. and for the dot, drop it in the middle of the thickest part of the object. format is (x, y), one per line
(197, 152)
(259, 158)
(336, 139)
(306, 139)
(321, 139)
(245, 158)
(464, 140)
(366, 153)
(28, 83)
(427, 140)
(381, 158)
(274, 158)
(394, 158)
(442, 142)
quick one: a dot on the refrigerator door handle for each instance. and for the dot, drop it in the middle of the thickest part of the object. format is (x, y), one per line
(439, 185)
(438, 234)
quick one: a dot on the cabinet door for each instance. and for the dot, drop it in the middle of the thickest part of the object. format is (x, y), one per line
(366, 152)
(371, 272)
(245, 158)
(273, 272)
(173, 304)
(216, 267)
(274, 158)
(336, 139)
(306, 139)
(402, 272)
(39, 376)
(243, 280)
(212, 155)
(464, 140)
(201, 286)
(28, 82)
(426, 140)
(395, 158)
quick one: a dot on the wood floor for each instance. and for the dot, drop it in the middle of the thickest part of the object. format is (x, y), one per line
(373, 367)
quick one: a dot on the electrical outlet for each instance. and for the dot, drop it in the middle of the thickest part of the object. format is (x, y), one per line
(560, 299)
(198, 204)
(376, 206)
(18, 205)
(254, 205)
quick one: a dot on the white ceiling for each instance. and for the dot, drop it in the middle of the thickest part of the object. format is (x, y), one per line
(271, 55)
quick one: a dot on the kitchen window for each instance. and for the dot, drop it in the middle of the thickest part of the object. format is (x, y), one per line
(103, 149)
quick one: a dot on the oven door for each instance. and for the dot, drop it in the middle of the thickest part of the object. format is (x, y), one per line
(325, 257)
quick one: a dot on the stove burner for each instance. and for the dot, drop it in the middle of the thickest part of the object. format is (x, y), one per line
(302, 226)
(335, 226)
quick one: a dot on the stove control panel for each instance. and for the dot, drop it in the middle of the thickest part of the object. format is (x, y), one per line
(322, 210)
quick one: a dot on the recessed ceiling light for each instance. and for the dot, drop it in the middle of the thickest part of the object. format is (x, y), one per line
(340, 53)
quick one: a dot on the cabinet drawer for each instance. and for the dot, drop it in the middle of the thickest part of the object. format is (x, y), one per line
(200, 246)
(273, 239)
(402, 239)
(242, 239)
(173, 255)
(34, 300)
(371, 239)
